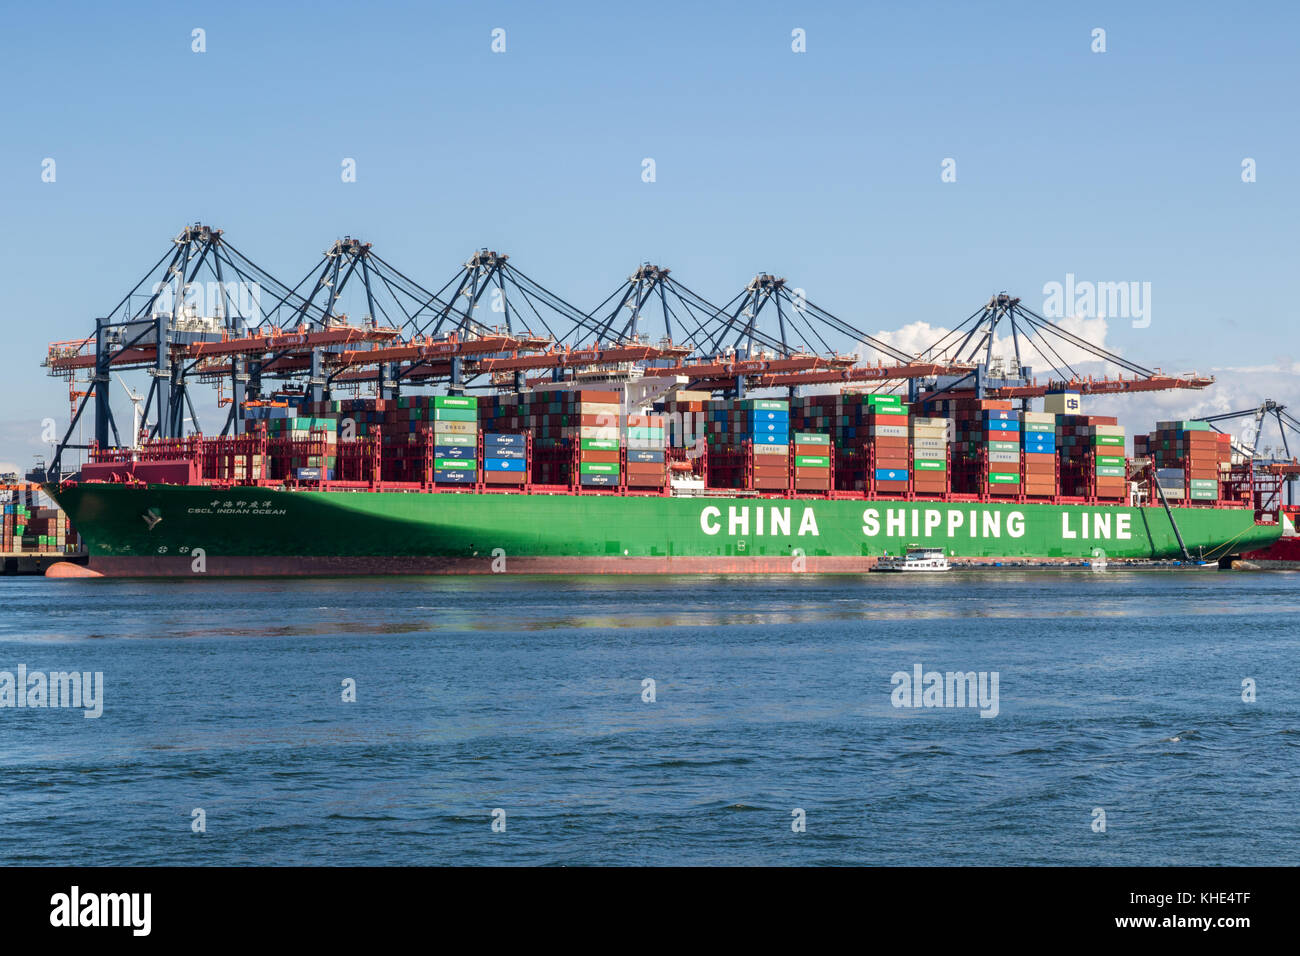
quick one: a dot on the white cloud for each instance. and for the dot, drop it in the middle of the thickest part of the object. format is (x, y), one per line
(1042, 353)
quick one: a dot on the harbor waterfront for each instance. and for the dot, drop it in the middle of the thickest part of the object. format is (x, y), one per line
(155, 530)
(1121, 692)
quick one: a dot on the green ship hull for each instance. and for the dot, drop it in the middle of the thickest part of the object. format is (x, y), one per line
(178, 529)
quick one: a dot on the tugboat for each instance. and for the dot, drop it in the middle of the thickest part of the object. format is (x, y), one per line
(916, 559)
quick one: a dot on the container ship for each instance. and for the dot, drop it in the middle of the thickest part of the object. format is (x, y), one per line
(491, 448)
(570, 482)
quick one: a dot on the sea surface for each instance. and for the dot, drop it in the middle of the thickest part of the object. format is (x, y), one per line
(772, 736)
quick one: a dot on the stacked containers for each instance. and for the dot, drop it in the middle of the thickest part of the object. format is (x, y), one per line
(1090, 450)
(812, 462)
(971, 444)
(560, 420)
(888, 434)
(1108, 461)
(298, 428)
(47, 529)
(504, 459)
(1188, 457)
(766, 423)
(1002, 440)
(455, 439)
(646, 441)
(599, 442)
(846, 418)
(686, 413)
(929, 441)
(1038, 439)
(16, 518)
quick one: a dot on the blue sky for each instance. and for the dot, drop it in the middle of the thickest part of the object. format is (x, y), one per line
(822, 166)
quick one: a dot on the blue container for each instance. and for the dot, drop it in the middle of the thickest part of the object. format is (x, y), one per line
(999, 416)
(1001, 425)
(501, 440)
(495, 451)
(457, 477)
(315, 474)
(1039, 447)
(503, 464)
(600, 480)
(781, 439)
(763, 416)
(454, 451)
(891, 474)
(646, 456)
(771, 428)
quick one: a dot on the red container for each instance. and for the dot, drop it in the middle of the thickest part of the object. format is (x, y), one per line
(644, 468)
(503, 478)
(606, 457)
(812, 484)
(891, 487)
(771, 484)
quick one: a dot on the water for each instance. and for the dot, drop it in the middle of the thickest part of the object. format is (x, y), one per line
(1120, 691)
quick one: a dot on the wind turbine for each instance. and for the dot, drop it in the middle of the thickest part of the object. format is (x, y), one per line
(136, 401)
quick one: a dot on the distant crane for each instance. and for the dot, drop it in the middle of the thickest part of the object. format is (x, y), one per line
(1248, 444)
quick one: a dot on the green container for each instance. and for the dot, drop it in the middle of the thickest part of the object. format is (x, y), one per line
(1205, 495)
(1003, 478)
(1107, 471)
(455, 401)
(456, 414)
(924, 464)
(598, 468)
(1004, 446)
(812, 461)
(1042, 428)
(1108, 440)
(463, 441)
(1110, 461)
(811, 438)
(455, 464)
(765, 404)
(600, 444)
(878, 400)
(1205, 484)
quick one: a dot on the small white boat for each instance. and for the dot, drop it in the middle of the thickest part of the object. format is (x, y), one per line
(929, 560)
